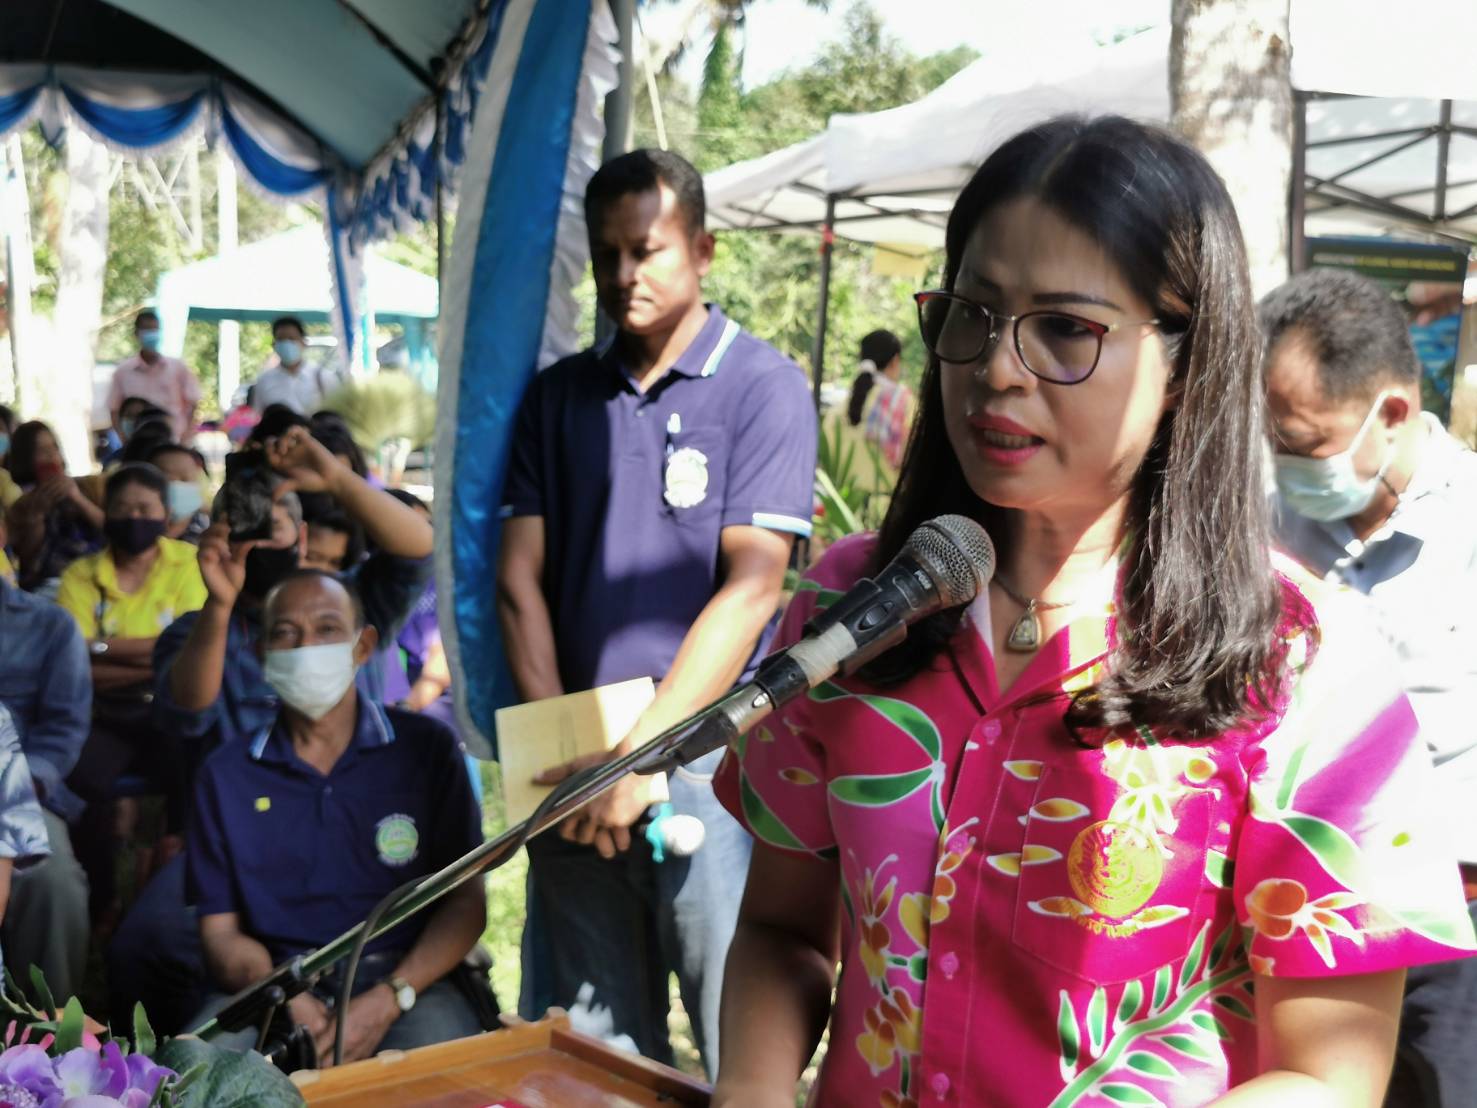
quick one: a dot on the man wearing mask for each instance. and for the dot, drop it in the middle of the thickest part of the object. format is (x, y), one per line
(291, 381)
(210, 688)
(348, 800)
(161, 380)
(1374, 494)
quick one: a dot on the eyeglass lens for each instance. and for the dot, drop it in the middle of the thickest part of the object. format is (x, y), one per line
(1053, 346)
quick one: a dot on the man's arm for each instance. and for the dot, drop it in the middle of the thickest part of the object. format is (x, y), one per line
(712, 655)
(393, 527)
(528, 631)
(233, 958)
(63, 718)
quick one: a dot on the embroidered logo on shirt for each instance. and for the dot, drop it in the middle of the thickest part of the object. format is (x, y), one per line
(687, 478)
(264, 804)
(396, 839)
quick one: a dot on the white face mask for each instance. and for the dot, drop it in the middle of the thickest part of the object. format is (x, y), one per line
(312, 679)
(1327, 489)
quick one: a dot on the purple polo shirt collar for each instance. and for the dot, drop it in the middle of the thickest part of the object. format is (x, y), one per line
(702, 358)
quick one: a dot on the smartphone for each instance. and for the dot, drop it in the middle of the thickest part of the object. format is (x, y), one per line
(247, 496)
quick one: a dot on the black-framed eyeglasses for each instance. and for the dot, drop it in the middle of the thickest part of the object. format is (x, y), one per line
(1055, 346)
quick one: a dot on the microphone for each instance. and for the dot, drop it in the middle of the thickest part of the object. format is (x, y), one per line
(946, 562)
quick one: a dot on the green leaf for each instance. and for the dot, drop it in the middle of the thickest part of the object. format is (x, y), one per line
(1235, 1007)
(765, 824)
(228, 1079)
(1194, 959)
(1332, 846)
(1068, 1035)
(1128, 1004)
(69, 1030)
(913, 721)
(1222, 942)
(1151, 1065)
(1162, 980)
(143, 1035)
(880, 790)
(1189, 1046)
(1120, 1093)
(1219, 869)
(847, 904)
(936, 801)
(1290, 778)
(42, 991)
(1206, 1022)
(918, 967)
(1097, 1020)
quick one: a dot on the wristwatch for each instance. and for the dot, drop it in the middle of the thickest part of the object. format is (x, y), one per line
(404, 994)
(99, 647)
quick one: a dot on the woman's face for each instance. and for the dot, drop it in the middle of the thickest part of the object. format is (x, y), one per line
(135, 501)
(48, 456)
(1029, 444)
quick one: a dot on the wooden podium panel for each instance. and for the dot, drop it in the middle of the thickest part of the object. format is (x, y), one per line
(531, 1065)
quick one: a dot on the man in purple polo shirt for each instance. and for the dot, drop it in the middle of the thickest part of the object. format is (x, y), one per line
(656, 487)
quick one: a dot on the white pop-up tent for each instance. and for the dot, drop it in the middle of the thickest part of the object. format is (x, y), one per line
(1385, 122)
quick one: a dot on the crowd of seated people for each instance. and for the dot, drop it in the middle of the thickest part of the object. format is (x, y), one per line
(153, 664)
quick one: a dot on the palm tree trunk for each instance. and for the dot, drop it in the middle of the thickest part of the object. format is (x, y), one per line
(1230, 89)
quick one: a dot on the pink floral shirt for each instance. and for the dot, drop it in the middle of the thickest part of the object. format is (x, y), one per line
(1029, 920)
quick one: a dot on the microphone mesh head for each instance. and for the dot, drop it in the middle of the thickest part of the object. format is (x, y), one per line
(958, 555)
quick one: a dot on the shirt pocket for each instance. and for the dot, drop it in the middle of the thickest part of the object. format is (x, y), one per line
(692, 477)
(1111, 878)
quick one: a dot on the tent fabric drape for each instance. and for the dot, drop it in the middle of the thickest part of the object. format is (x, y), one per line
(525, 170)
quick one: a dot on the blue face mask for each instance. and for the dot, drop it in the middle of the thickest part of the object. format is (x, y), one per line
(4, 443)
(289, 350)
(149, 340)
(185, 499)
(127, 426)
(1328, 489)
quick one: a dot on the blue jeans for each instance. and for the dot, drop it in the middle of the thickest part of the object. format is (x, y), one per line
(1436, 1060)
(156, 957)
(615, 929)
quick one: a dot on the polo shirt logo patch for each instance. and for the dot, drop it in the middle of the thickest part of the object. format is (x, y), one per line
(687, 478)
(264, 804)
(396, 839)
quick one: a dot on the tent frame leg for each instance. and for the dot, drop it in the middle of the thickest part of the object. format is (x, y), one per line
(823, 310)
(1297, 202)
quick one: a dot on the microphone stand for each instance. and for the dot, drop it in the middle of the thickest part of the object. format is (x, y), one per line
(714, 726)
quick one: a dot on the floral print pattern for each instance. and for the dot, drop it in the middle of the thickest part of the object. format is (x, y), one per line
(1035, 920)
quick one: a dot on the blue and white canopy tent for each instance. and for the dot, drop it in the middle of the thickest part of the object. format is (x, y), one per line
(374, 108)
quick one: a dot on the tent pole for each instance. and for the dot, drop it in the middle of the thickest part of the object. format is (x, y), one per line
(828, 242)
(1297, 249)
(1443, 156)
(618, 115)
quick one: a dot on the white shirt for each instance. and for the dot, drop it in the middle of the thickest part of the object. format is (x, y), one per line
(1420, 573)
(302, 389)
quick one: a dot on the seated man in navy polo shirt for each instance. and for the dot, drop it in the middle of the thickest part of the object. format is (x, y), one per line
(300, 830)
(209, 687)
(656, 487)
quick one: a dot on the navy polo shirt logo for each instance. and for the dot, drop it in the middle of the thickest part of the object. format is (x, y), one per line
(396, 839)
(687, 478)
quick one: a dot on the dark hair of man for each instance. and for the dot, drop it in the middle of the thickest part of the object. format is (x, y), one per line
(23, 451)
(355, 600)
(643, 171)
(143, 317)
(163, 448)
(1357, 333)
(276, 421)
(880, 348)
(141, 474)
(132, 402)
(289, 321)
(861, 388)
(152, 432)
(335, 436)
(322, 510)
(1195, 649)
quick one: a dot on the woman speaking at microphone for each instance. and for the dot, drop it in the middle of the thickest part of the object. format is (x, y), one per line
(1147, 823)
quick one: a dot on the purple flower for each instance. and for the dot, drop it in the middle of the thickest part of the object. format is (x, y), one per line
(93, 1100)
(84, 1072)
(13, 1096)
(144, 1075)
(29, 1067)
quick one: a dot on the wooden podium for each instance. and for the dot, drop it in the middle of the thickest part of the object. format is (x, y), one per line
(528, 1065)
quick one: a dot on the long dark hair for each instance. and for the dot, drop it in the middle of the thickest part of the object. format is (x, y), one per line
(23, 451)
(1195, 648)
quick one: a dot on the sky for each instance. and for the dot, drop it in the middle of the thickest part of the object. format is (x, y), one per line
(784, 34)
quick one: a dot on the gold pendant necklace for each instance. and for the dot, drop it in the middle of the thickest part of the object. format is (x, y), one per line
(1025, 633)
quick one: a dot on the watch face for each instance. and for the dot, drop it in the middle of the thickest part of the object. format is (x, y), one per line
(405, 998)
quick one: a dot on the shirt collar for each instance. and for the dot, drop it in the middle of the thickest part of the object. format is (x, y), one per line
(703, 356)
(372, 731)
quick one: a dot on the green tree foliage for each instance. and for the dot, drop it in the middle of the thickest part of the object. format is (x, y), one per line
(770, 281)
